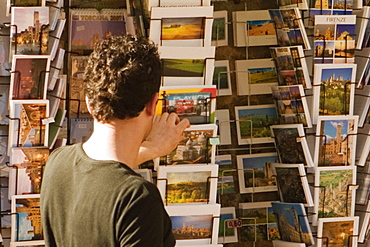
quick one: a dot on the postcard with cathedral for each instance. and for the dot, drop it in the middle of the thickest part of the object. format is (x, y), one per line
(292, 222)
(335, 192)
(259, 223)
(77, 104)
(29, 30)
(190, 184)
(292, 183)
(291, 66)
(334, 90)
(338, 232)
(26, 220)
(291, 105)
(255, 172)
(195, 148)
(90, 26)
(335, 143)
(28, 125)
(334, 39)
(195, 225)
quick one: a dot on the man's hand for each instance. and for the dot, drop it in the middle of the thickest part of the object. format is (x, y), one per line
(166, 133)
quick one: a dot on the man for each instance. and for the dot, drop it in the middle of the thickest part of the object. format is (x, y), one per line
(90, 195)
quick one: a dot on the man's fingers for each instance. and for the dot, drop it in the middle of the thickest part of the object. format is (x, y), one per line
(183, 124)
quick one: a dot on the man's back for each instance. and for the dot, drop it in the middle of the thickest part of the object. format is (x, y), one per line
(86, 202)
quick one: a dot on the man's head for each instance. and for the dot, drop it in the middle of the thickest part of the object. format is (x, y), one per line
(122, 75)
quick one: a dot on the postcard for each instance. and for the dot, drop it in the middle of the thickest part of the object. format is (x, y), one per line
(226, 234)
(55, 127)
(253, 28)
(287, 4)
(334, 192)
(221, 77)
(77, 104)
(90, 26)
(253, 123)
(255, 172)
(290, 30)
(223, 122)
(81, 129)
(55, 69)
(259, 223)
(19, 3)
(29, 30)
(220, 28)
(364, 214)
(196, 103)
(292, 222)
(28, 126)
(336, 141)
(195, 225)
(190, 184)
(226, 172)
(55, 96)
(363, 144)
(195, 148)
(4, 157)
(363, 29)
(291, 105)
(363, 181)
(181, 26)
(363, 72)
(175, 3)
(4, 55)
(292, 184)
(146, 173)
(334, 38)
(5, 203)
(53, 44)
(184, 66)
(255, 76)
(291, 66)
(280, 243)
(333, 232)
(4, 102)
(29, 77)
(333, 90)
(26, 220)
(35, 243)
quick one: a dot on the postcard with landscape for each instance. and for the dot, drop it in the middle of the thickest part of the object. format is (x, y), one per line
(27, 127)
(90, 26)
(26, 220)
(255, 172)
(334, 38)
(178, 26)
(220, 28)
(255, 76)
(196, 103)
(253, 28)
(260, 224)
(334, 192)
(226, 234)
(195, 225)
(334, 89)
(336, 141)
(253, 123)
(292, 183)
(226, 172)
(337, 232)
(291, 66)
(30, 76)
(221, 77)
(195, 148)
(291, 105)
(188, 184)
(292, 222)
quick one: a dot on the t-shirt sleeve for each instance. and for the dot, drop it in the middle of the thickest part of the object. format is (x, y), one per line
(143, 221)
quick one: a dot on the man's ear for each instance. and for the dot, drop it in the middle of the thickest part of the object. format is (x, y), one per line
(151, 106)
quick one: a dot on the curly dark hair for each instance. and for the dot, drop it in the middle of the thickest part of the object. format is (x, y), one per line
(122, 75)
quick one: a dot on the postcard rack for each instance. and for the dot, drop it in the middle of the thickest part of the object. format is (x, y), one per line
(15, 33)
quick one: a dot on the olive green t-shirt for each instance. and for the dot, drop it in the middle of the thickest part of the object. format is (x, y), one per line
(86, 203)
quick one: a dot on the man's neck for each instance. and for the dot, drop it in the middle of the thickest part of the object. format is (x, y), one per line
(119, 141)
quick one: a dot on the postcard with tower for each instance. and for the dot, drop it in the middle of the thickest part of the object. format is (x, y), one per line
(77, 104)
(338, 232)
(259, 223)
(29, 31)
(292, 222)
(26, 219)
(335, 192)
(292, 183)
(336, 141)
(291, 105)
(255, 172)
(334, 38)
(90, 26)
(291, 66)
(255, 76)
(181, 26)
(195, 225)
(333, 90)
